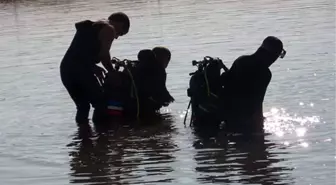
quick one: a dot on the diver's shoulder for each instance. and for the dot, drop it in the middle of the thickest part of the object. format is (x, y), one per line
(106, 29)
(244, 57)
(242, 60)
(83, 24)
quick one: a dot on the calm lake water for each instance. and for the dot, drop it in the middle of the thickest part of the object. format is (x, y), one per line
(41, 144)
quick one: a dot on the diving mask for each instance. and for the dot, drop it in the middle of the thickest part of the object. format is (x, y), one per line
(283, 53)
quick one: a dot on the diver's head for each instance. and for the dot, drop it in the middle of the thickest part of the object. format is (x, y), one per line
(120, 22)
(146, 55)
(271, 49)
(163, 55)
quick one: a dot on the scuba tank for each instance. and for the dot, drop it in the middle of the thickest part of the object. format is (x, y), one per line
(204, 89)
(118, 89)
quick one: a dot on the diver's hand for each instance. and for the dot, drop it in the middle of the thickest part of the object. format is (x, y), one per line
(171, 99)
(99, 73)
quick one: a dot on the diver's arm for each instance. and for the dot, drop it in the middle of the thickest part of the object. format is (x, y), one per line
(163, 93)
(260, 93)
(106, 37)
(169, 96)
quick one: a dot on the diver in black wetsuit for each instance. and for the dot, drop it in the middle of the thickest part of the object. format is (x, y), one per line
(163, 56)
(139, 90)
(246, 83)
(79, 72)
(150, 76)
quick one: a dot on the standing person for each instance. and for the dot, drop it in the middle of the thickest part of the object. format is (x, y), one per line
(79, 72)
(246, 84)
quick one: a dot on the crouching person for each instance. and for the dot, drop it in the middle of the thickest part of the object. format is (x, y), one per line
(150, 76)
(140, 89)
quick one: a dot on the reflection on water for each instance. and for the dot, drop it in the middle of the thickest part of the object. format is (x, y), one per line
(123, 155)
(137, 155)
(243, 159)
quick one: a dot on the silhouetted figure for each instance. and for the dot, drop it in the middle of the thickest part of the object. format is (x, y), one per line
(245, 86)
(79, 72)
(150, 77)
(163, 56)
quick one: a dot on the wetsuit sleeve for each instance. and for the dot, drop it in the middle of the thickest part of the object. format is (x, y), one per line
(161, 93)
(264, 79)
(106, 37)
(165, 91)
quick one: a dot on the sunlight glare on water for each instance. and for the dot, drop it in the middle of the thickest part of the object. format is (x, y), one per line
(279, 122)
